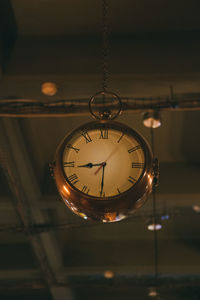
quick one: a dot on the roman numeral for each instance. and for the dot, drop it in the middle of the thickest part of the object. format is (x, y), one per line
(69, 164)
(131, 179)
(120, 137)
(138, 165)
(73, 178)
(85, 189)
(86, 136)
(134, 149)
(103, 133)
(71, 147)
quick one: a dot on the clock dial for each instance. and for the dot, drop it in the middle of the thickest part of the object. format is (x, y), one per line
(103, 161)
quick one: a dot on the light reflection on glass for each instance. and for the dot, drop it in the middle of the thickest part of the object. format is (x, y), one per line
(83, 216)
(66, 190)
(150, 179)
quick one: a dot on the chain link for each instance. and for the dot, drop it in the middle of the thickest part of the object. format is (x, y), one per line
(105, 47)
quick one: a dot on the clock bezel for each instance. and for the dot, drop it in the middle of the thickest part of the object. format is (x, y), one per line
(138, 191)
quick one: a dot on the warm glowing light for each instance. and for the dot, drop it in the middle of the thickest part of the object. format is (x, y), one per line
(109, 274)
(49, 88)
(196, 208)
(152, 292)
(152, 119)
(110, 217)
(154, 226)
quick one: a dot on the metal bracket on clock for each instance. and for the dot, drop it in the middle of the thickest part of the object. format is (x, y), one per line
(51, 168)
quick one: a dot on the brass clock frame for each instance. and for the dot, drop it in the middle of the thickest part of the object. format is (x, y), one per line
(108, 209)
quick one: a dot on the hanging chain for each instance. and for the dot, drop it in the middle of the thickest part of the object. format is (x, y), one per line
(110, 104)
(105, 51)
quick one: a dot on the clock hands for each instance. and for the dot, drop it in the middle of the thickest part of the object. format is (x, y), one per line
(89, 165)
(110, 155)
(102, 180)
(101, 165)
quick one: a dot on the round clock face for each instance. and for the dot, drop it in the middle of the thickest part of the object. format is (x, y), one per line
(103, 159)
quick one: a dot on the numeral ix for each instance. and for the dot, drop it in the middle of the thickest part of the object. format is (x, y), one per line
(69, 164)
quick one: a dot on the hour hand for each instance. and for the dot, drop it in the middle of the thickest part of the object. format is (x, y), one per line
(89, 165)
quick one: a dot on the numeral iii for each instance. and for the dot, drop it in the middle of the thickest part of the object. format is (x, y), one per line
(138, 165)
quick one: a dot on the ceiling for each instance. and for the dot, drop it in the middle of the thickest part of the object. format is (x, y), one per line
(46, 251)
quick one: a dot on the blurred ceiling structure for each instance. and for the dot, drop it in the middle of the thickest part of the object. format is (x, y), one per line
(46, 251)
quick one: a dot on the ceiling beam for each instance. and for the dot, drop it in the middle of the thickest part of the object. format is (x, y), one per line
(172, 200)
(29, 274)
(18, 169)
(27, 279)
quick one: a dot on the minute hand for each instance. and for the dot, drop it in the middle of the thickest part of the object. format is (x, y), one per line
(102, 179)
(89, 165)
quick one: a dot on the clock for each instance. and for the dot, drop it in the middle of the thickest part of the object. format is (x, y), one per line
(104, 170)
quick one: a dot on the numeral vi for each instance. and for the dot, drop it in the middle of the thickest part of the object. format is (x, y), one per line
(85, 189)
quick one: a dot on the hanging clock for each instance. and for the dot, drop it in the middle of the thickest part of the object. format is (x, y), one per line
(104, 170)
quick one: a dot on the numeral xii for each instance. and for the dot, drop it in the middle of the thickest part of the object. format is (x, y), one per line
(103, 133)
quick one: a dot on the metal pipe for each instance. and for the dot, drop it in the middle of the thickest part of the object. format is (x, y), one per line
(27, 108)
